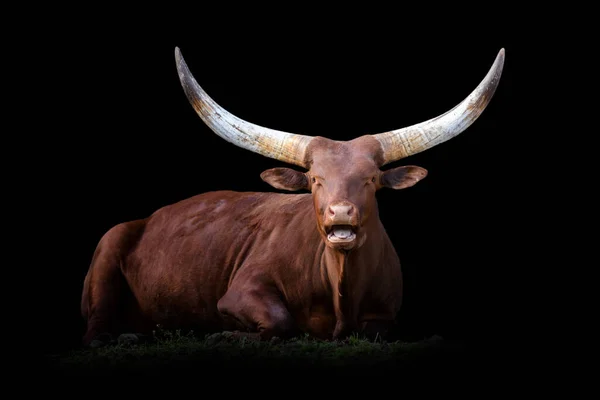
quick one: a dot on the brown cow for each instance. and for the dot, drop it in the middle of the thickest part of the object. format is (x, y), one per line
(270, 264)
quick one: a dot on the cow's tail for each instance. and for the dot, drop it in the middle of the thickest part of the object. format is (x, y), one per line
(105, 287)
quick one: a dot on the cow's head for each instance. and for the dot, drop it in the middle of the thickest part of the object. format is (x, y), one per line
(343, 176)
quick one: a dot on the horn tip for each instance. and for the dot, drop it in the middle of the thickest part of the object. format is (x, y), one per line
(499, 62)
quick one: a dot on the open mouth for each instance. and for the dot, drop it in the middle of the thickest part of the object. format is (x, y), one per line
(341, 233)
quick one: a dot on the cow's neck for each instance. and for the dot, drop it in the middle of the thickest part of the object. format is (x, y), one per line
(345, 271)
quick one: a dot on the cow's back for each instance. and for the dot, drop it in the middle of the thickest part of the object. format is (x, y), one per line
(190, 250)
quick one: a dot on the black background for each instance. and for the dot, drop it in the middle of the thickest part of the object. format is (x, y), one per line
(122, 141)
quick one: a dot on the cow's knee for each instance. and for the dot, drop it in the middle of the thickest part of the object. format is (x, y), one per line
(258, 311)
(276, 321)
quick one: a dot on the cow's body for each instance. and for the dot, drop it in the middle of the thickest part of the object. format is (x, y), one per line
(217, 250)
(271, 264)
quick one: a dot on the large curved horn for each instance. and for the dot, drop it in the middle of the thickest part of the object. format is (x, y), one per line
(283, 146)
(407, 141)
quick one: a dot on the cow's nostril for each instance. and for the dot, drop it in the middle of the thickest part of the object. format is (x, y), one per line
(340, 210)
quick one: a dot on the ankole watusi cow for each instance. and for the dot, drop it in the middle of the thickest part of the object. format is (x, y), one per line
(270, 264)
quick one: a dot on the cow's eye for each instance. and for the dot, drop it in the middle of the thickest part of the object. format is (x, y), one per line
(373, 179)
(314, 179)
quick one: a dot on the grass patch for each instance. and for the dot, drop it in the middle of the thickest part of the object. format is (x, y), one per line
(176, 352)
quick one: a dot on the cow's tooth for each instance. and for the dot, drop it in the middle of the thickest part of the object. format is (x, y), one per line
(342, 233)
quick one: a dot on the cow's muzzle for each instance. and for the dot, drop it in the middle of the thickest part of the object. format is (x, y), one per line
(341, 223)
(341, 233)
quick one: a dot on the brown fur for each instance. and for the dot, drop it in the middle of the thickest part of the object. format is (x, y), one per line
(258, 262)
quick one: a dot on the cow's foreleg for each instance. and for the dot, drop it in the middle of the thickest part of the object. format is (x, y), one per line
(260, 310)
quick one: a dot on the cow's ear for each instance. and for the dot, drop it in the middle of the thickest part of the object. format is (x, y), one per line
(285, 178)
(402, 177)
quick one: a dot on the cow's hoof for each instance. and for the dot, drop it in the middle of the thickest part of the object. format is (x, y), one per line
(94, 344)
(231, 337)
(101, 340)
(275, 340)
(215, 338)
(246, 336)
(128, 339)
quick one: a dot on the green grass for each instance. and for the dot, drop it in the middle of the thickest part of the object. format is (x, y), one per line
(175, 351)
